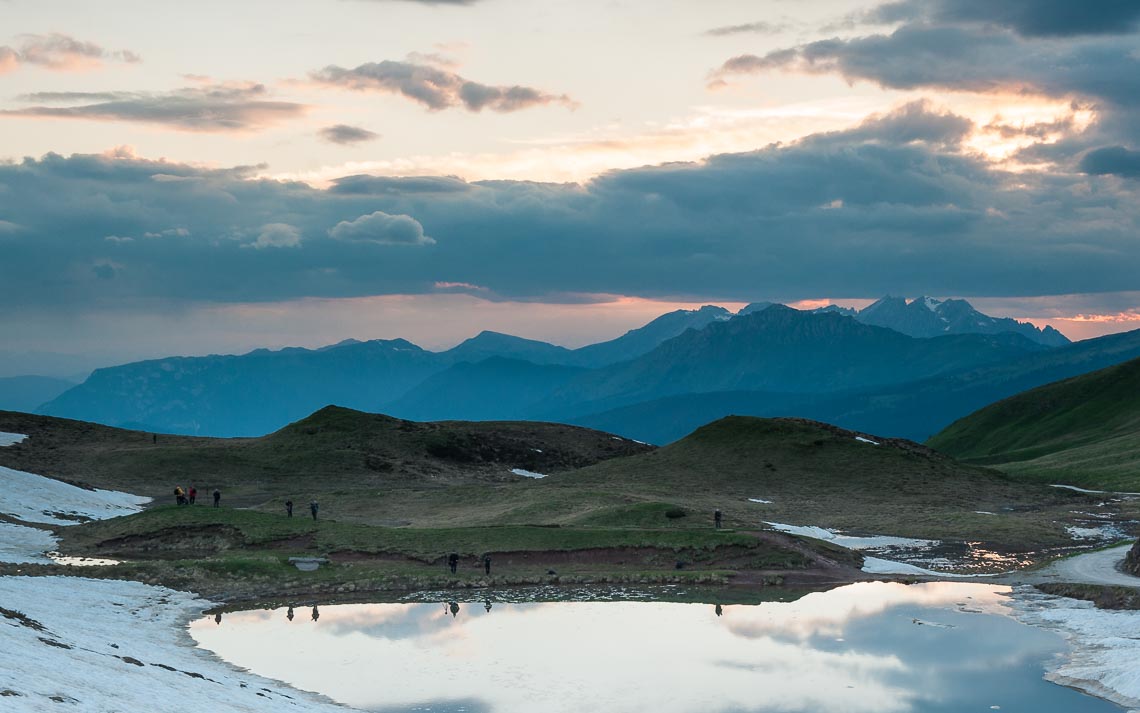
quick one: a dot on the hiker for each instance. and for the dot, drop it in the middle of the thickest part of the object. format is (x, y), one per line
(487, 605)
(193, 494)
(218, 618)
(313, 507)
(289, 508)
(453, 561)
(487, 563)
(316, 614)
(717, 518)
(178, 495)
(289, 614)
(217, 497)
(454, 607)
(719, 610)
(154, 438)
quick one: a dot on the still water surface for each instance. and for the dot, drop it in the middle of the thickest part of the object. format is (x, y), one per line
(939, 647)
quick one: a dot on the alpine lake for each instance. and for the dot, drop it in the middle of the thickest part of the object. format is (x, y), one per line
(874, 647)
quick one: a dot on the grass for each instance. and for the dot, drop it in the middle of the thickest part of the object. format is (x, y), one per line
(1082, 431)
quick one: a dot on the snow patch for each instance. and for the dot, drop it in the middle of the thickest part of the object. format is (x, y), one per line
(34, 498)
(866, 440)
(1105, 644)
(20, 544)
(875, 565)
(106, 645)
(10, 439)
(760, 500)
(851, 542)
(1089, 492)
(527, 473)
(1103, 532)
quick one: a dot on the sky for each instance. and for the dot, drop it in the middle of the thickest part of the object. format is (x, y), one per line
(214, 176)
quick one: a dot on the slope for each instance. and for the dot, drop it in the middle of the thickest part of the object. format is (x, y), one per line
(816, 474)
(346, 457)
(1084, 430)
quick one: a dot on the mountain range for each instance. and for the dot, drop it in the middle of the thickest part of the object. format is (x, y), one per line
(654, 383)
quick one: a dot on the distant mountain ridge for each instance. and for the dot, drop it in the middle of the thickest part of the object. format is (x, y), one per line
(764, 348)
(927, 317)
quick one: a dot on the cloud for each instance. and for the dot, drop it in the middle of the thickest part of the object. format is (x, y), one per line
(1029, 18)
(894, 204)
(382, 229)
(60, 53)
(1115, 160)
(346, 135)
(277, 235)
(434, 87)
(751, 28)
(242, 106)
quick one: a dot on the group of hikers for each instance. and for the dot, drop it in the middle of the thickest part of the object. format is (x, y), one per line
(187, 496)
(453, 562)
(314, 507)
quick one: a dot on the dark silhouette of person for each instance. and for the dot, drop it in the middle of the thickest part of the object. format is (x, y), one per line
(178, 495)
(453, 561)
(217, 497)
(193, 493)
(218, 618)
(313, 507)
(154, 438)
(289, 508)
(719, 610)
(487, 605)
(316, 614)
(289, 614)
(487, 564)
(453, 608)
(717, 518)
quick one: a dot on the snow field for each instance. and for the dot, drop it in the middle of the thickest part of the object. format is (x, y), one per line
(34, 498)
(107, 646)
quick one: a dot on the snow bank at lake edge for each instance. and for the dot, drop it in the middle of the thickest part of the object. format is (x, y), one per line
(1105, 644)
(118, 645)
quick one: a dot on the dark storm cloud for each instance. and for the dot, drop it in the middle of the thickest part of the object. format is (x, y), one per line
(1029, 18)
(965, 59)
(434, 87)
(59, 52)
(346, 135)
(890, 205)
(1112, 160)
(208, 108)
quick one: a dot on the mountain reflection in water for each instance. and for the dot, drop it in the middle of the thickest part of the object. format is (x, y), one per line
(940, 647)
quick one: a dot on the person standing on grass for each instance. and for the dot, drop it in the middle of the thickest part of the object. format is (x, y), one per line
(453, 561)
(289, 508)
(193, 494)
(178, 495)
(717, 518)
(487, 563)
(217, 497)
(313, 507)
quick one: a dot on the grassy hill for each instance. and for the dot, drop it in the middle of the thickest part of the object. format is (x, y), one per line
(1083, 431)
(337, 455)
(816, 474)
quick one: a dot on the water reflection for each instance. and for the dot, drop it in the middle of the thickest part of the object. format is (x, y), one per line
(939, 647)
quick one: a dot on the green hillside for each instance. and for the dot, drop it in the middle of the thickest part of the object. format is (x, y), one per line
(816, 474)
(1082, 431)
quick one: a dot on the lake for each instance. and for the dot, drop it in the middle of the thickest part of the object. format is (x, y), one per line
(939, 647)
